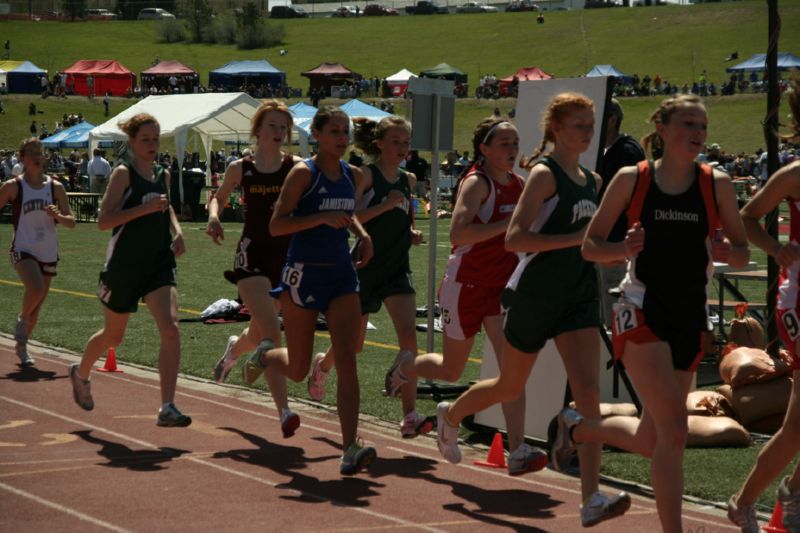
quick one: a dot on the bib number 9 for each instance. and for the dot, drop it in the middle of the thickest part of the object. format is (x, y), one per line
(791, 323)
(292, 277)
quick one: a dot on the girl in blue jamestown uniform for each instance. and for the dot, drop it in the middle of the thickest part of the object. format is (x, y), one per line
(316, 205)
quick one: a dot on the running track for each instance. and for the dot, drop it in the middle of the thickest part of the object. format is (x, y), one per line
(64, 469)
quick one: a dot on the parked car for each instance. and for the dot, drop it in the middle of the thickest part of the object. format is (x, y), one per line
(99, 14)
(475, 7)
(427, 7)
(154, 13)
(377, 10)
(288, 12)
(521, 5)
(345, 11)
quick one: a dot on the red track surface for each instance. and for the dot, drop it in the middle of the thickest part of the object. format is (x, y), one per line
(64, 469)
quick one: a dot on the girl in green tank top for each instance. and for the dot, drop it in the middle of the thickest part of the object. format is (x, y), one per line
(383, 206)
(136, 204)
(549, 221)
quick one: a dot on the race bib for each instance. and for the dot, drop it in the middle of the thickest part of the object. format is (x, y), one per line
(792, 325)
(292, 277)
(624, 317)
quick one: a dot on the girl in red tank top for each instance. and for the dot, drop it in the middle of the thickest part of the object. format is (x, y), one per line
(784, 446)
(477, 271)
(259, 256)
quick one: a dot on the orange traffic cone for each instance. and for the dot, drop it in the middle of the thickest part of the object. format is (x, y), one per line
(111, 362)
(497, 456)
(776, 521)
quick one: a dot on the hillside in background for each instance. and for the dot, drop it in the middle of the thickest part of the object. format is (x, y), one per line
(676, 42)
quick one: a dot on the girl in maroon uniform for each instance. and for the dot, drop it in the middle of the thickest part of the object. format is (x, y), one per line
(259, 256)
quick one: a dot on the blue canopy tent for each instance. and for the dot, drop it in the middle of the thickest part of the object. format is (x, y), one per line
(356, 108)
(608, 70)
(80, 139)
(235, 74)
(758, 63)
(76, 136)
(302, 115)
(56, 140)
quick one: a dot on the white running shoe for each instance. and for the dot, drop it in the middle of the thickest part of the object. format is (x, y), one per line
(743, 516)
(317, 379)
(600, 507)
(447, 435)
(226, 362)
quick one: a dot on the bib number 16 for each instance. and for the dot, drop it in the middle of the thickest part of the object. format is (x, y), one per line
(292, 277)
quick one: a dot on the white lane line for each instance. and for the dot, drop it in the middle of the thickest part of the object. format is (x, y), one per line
(221, 468)
(62, 508)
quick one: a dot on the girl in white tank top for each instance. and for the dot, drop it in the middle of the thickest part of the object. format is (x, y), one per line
(38, 203)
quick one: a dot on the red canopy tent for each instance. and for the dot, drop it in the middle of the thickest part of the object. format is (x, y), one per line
(108, 75)
(327, 75)
(159, 75)
(523, 74)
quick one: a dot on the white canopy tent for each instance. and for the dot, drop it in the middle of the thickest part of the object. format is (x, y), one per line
(398, 82)
(211, 116)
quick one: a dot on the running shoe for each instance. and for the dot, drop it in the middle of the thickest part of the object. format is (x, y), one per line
(81, 389)
(357, 457)
(254, 365)
(526, 459)
(317, 379)
(743, 516)
(169, 416)
(25, 358)
(414, 424)
(600, 507)
(563, 447)
(226, 362)
(395, 379)
(290, 421)
(790, 501)
(447, 435)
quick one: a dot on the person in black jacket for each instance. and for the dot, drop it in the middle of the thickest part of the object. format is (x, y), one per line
(621, 150)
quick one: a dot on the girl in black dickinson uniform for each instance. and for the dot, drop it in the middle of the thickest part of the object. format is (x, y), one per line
(674, 207)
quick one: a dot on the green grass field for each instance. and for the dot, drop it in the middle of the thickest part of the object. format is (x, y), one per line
(675, 42)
